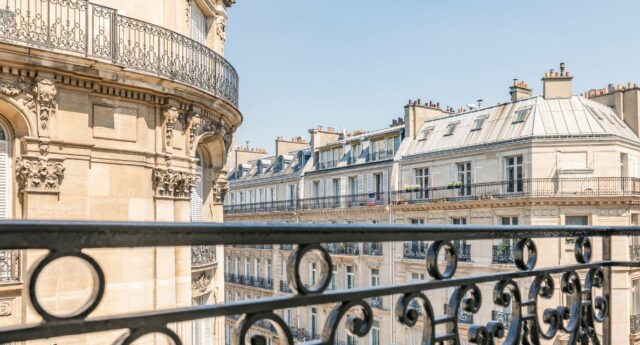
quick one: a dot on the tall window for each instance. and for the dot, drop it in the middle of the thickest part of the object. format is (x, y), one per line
(422, 180)
(385, 148)
(375, 277)
(269, 269)
(256, 268)
(635, 291)
(356, 151)
(334, 278)
(464, 177)
(374, 339)
(291, 194)
(379, 185)
(202, 329)
(197, 193)
(461, 245)
(335, 186)
(237, 265)
(314, 322)
(228, 266)
(350, 277)
(514, 174)
(313, 272)
(247, 265)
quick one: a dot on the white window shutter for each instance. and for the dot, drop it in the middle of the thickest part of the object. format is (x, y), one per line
(197, 199)
(369, 183)
(328, 185)
(5, 181)
(198, 24)
(343, 185)
(360, 184)
(385, 181)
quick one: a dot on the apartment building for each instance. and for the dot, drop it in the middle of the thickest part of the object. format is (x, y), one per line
(550, 159)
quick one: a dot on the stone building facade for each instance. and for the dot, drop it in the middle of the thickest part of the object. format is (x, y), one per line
(116, 111)
(550, 159)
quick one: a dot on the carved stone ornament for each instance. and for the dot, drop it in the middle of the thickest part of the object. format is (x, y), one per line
(220, 190)
(6, 307)
(39, 174)
(170, 116)
(201, 283)
(221, 31)
(13, 88)
(42, 102)
(173, 184)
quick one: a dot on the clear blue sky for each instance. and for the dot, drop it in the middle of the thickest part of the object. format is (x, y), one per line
(355, 63)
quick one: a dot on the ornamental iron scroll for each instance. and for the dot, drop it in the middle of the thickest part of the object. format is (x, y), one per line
(528, 323)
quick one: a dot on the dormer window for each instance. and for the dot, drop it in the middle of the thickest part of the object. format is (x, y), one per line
(301, 159)
(279, 164)
(478, 123)
(521, 115)
(451, 128)
(259, 168)
(426, 133)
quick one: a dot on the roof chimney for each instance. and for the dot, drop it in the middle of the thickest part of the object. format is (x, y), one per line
(557, 85)
(519, 90)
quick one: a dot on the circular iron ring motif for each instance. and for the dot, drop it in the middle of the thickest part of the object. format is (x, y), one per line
(451, 259)
(532, 251)
(583, 250)
(128, 339)
(89, 306)
(293, 269)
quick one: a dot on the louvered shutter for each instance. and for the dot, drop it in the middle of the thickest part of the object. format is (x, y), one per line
(5, 181)
(197, 193)
(343, 185)
(198, 24)
(385, 181)
(369, 183)
(328, 185)
(360, 184)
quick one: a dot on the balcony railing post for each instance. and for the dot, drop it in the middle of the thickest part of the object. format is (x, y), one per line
(606, 291)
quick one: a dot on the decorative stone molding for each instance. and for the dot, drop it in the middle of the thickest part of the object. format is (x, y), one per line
(39, 174)
(170, 116)
(13, 88)
(220, 190)
(42, 101)
(173, 184)
(200, 284)
(6, 307)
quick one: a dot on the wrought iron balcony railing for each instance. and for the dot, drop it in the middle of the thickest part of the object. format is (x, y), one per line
(540, 187)
(10, 267)
(346, 248)
(501, 254)
(503, 317)
(414, 250)
(634, 252)
(372, 248)
(79, 27)
(463, 316)
(284, 286)
(634, 324)
(586, 282)
(376, 302)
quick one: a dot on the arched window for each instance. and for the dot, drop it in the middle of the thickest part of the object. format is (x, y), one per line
(5, 174)
(197, 193)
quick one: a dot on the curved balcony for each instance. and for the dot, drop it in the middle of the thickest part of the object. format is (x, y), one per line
(78, 27)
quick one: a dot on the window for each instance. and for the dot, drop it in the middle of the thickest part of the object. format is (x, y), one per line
(350, 340)
(313, 271)
(228, 265)
(330, 158)
(316, 189)
(509, 220)
(291, 194)
(464, 177)
(314, 322)
(451, 128)
(478, 123)
(269, 269)
(425, 134)
(635, 292)
(198, 24)
(576, 220)
(521, 115)
(334, 278)
(301, 159)
(356, 152)
(256, 268)
(287, 317)
(464, 251)
(422, 180)
(197, 191)
(259, 167)
(374, 339)
(247, 266)
(375, 277)
(350, 277)
(379, 185)
(353, 185)
(514, 174)
(336, 187)
(237, 265)
(385, 148)
(417, 276)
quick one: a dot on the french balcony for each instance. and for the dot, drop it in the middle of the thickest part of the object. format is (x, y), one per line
(414, 250)
(347, 248)
(82, 28)
(464, 251)
(284, 286)
(502, 254)
(502, 317)
(634, 324)
(372, 248)
(10, 267)
(463, 316)
(589, 270)
(634, 252)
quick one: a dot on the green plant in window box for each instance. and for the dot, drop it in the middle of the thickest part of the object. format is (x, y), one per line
(454, 185)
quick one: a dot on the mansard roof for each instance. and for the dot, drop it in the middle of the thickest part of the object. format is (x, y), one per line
(540, 118)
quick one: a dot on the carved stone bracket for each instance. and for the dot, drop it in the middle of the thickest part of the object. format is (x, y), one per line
(201, 283)
(220, 190)
(39, 174)
(170, 116)
(42, 101)
(168, 183)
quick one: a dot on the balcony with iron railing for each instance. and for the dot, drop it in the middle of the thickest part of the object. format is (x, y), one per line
(414, 250)
(99, 33)
(588, 273)
(348, 248)
(284, 286)
(502, 254)
(376, 302)
(526, 188)
(372, 248)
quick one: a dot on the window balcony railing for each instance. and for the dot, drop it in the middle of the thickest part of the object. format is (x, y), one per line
(286, 247)
(10, 267)
(589, 271)
(502, 254)
(327, 165)
(79, 27)
(414, 250)
(464, 251)
(376, 302)
(284, 286)
(634, 324)
(301, 334)
(372, 248)
(558, 187)
(463, 316)
(502, 317)
(253, 246)
(342, 248)
(634, 252)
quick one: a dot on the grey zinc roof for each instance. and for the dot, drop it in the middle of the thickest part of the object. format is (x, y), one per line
(290, 167)
(575, 116)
